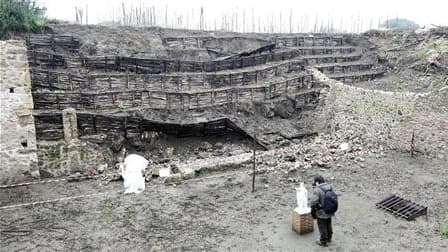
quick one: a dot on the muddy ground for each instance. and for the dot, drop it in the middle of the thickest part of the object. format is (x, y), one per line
(218, 212)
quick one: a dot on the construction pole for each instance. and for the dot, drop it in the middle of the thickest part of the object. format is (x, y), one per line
(253, 172)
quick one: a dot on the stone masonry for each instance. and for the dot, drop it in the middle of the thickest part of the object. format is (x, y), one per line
(18, 156)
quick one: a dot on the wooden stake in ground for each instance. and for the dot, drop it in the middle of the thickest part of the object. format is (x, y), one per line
(253, 173)
(412, 143)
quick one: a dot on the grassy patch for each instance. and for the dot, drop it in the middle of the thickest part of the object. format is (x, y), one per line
(439, 46)
(423, 52)
(444, 231)
(107, 210)
(440, 82)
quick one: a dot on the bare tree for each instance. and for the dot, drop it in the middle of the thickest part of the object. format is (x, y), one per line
(166, 15)
(76, 14)
(290, 20)
(123, 8)
(79, 14)
(201, 19)
(253, 20)
(244, 20)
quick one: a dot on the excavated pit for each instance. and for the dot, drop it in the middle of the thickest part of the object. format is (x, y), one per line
(185, 84)
(189, 102)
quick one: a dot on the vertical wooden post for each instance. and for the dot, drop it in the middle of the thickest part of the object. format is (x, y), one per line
(70, 81)
(95, 99)
(94, 124)
(49, 78)
(125, 125)
(189, 83)
(167, 99)
(161, 83)
(412, 143)
(109, 81)
(254, 166)
(57, 102)
(133, 98)
(127, 79)
(52, 42)
(197, 100)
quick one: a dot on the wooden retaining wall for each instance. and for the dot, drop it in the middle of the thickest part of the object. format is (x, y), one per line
(57, 80)
(188, 100)
(49, 126)
(293, 40)
(53, 42)
(345, 67)
(357, 76)
(156, 66)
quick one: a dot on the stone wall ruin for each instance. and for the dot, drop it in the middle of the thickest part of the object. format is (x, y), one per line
(18, 157)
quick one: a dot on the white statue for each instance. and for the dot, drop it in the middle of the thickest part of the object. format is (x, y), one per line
(302, 200)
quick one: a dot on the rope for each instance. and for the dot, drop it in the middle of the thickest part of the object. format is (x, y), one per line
(91, 194)
(49, 181)
(52, 200)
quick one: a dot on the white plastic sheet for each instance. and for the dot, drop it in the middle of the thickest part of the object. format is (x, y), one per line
(302, 200)
(132, 172)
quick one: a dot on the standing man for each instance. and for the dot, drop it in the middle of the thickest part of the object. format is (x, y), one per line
(323, 204)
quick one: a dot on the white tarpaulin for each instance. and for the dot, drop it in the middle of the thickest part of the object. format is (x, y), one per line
(132, 172)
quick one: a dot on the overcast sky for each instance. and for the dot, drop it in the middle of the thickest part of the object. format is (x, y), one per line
(343, 13)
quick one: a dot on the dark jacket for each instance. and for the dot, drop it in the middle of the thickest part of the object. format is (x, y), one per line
(317, 200)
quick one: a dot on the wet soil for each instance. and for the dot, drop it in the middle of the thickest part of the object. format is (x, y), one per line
(218, 212)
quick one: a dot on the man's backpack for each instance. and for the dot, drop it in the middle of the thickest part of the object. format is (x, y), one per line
(330, 205)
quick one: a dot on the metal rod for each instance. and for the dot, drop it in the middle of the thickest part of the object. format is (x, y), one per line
(253, 173)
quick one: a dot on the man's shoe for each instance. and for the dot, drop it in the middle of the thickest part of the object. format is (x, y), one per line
(321, 244)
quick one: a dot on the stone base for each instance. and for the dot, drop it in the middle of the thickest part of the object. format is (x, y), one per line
(302, 223)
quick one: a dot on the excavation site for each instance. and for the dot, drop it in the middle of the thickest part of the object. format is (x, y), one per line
(229, 130)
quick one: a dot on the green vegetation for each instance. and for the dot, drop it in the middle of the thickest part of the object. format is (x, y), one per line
(444, 231)
(20, 16)
(423, 52)
(440, 82)
(439, 45)
(374, 33)
(399, 23)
